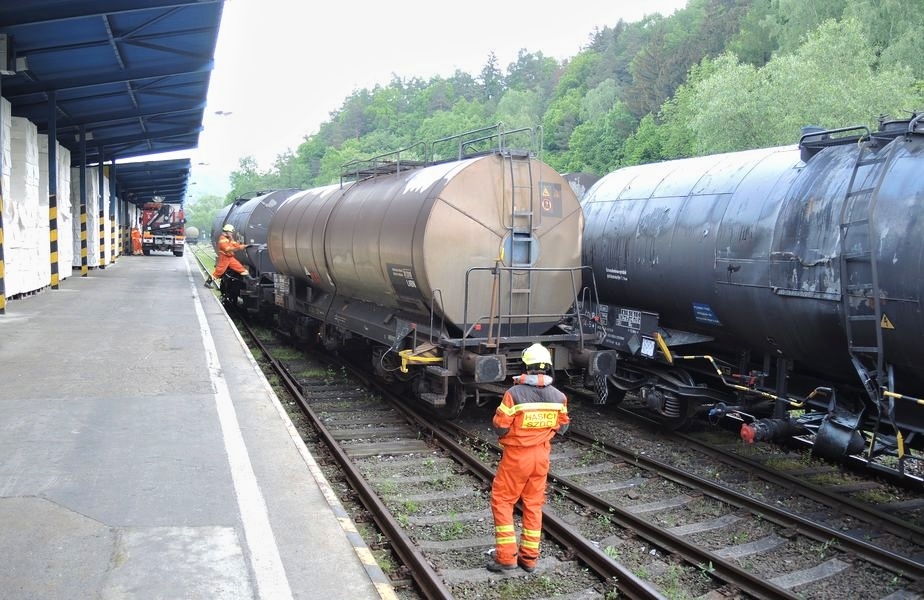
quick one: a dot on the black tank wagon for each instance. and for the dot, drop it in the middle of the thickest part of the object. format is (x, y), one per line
(769, 281)
(250, 217)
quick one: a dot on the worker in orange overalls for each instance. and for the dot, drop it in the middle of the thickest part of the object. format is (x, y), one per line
(529, 416)
(226, 247)
(136, 241)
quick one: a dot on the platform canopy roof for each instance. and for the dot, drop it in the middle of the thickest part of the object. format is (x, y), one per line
(161, 180)
(129, 76)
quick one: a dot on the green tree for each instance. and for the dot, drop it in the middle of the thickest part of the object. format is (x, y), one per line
(576, 73)
(350, 120)
(248, 179)
(201, 212)
(464, 116)
(755, 41)
(794, 20)
(492, 80)
(907, 50)
(890, 30)
(518, 108)
(651, 90)
(464, 86)
(616, 47)
(832, 81)
(595, 144)
(290, 171)
(676, 44)
(532, 72)
(559, 121)
(645, 145)
(309, 154)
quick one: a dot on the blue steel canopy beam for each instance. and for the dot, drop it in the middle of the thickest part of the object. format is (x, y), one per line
(49, 11)
(87, 81)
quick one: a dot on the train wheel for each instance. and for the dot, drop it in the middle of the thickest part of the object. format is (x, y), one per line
(614, 395)
(443, 398)
(455, 401)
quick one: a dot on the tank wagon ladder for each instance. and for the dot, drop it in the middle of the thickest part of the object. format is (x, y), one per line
(860, 275)
(520, 227)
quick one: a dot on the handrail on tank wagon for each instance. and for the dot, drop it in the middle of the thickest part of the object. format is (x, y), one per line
(465, 142)
(915, 122)
(841, 140)
(458, 136)
(824, 136)
(815, 139)
(390, 163)
(468, 326)
(381, 164)
(502, 141)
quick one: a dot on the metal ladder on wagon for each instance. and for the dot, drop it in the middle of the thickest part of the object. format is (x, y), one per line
(521, 228)
(864, 318)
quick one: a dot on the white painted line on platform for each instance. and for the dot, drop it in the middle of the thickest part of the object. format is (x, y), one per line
(272, 582)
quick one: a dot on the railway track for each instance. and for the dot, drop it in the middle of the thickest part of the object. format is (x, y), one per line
(429, 496)
(830, 550)
(606, 532)
(432, 483)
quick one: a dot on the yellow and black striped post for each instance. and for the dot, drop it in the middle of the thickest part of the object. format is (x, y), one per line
(102, 215)
(53, 189)
(113, 236)
(53, 239)
(102, 236)
(84, 269)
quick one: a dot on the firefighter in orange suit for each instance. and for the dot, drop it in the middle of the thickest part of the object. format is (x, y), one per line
(530, 414)
(226, 247)
(136, 241)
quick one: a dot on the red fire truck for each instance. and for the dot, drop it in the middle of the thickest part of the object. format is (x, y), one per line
(162, 228)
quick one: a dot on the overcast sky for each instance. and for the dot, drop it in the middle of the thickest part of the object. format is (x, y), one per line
(282, 66)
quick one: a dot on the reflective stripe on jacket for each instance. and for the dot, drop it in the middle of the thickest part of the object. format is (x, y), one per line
(227, 246)
(531, 414)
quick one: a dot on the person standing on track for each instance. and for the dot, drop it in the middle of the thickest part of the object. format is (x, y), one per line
(530, 414)
(226, 247)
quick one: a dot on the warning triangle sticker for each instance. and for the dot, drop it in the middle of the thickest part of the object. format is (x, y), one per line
(885, 323)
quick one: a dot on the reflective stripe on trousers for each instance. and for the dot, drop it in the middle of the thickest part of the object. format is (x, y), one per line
(521, 475)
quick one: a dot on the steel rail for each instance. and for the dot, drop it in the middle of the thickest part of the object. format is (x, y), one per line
(721, 569)
(627, 582)
(430, 583)
(879, 556)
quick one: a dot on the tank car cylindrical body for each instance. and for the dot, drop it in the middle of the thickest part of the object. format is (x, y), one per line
(767, 253)
(192, 235)
(425, 241)
(218, 221)
(250, 218)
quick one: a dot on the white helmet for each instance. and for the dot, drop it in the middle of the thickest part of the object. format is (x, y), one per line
(229, 228)
(537, 354)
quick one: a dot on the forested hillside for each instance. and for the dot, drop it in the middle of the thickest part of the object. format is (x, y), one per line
(719, 75)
